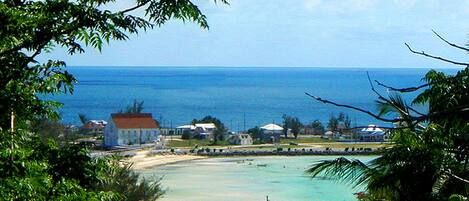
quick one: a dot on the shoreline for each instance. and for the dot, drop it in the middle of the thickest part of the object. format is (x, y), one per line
(145, 159)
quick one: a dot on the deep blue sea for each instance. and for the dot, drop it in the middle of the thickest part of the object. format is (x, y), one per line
(176, 95)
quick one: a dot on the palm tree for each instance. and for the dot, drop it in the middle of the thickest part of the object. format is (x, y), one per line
(397, 175)
(420, 165)
(83, 118)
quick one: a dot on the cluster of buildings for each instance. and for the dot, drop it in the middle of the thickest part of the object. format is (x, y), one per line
(125, 129)
(371, 133)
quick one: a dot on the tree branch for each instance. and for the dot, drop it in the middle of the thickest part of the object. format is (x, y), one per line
(457, 177)
(403, 90)
(135, 7)
(451, 44)
(353, 108)
(385, 99)
(436, 57)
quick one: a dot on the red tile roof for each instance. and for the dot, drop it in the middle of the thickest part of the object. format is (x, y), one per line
(140, 120)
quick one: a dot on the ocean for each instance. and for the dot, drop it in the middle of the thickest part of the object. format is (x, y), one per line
(241, 97)
(279, 178)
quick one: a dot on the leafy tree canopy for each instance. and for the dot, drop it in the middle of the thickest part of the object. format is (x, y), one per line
(31, 169)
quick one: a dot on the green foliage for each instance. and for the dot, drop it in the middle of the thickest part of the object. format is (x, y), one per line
(318, 127)
(129, 183)
(186, 135)
(333, 123)
(427, 162)
(220, 130)
(341, 123)
(31, 168)
(292, 123)
(43, 171)
(135, 108)
(255, 133)
(83, 118)
(31, 27)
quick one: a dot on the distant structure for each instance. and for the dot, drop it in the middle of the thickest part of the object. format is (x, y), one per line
(240, 139)
(372, 133)
(199, 130)
(205, 130)
(185, 128)
(330, 135)
(94, 127)
(130, 129)
(271, 133)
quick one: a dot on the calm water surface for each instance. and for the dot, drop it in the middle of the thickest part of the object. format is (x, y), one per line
(240, 178)
(176, 95)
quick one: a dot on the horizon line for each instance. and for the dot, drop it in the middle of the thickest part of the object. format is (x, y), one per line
(221, 66)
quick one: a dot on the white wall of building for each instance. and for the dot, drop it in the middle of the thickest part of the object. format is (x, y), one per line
(114, 136)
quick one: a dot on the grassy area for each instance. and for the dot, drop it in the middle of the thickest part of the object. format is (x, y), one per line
(187, 143)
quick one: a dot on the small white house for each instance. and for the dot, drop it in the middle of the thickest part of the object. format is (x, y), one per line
(205, 130)
(271, 133)
(372, 133)
(130, 129)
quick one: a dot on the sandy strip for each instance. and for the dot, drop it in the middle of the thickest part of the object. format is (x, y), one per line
(143, 161)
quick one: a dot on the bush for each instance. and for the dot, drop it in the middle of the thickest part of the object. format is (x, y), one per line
(186, 135)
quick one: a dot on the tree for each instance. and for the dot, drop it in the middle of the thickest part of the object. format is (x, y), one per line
(32, 27)
(32, 169)
(255, 132)
(318, 127)
(333, 123)
(220, 129)
(83, 118)
(134, 108)
(341, 123)
(431, 149)
(292, 123)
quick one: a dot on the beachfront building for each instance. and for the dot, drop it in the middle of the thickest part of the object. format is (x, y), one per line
(199, 130)
(205, 130)
(271, 133)
(94, 127)
(372, 133)
(184, 128)
(240, 139)
(131, 129)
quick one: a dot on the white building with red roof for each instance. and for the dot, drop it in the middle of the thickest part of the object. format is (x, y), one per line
(131, 129)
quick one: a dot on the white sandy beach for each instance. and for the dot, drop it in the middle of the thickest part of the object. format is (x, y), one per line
(142, 159)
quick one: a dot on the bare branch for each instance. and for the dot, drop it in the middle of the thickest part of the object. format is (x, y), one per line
(457, 177)
(436, 57)
(404, 90)
(353, 108)
(415, 120)
(451, 44)
(135, 7)
(385, 99)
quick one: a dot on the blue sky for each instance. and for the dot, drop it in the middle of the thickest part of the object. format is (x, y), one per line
(295, 33)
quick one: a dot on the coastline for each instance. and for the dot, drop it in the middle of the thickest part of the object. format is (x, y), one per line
(145, 160)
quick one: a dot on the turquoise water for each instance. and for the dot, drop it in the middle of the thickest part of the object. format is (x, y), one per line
(176, 95)
(231, 179)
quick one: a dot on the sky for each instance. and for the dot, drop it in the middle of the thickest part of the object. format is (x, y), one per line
(294, 33)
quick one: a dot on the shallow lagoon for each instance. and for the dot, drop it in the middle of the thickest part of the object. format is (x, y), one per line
(246, 178)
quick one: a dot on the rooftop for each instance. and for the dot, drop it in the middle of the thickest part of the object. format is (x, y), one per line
(134, 120)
